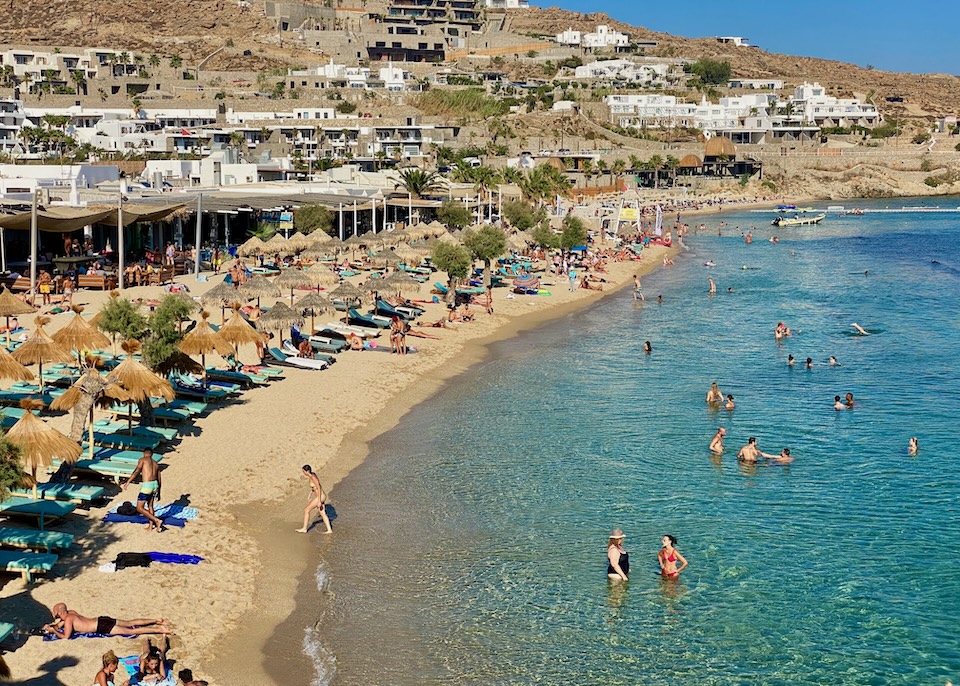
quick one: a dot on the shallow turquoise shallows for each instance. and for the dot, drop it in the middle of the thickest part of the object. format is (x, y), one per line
(470, 548)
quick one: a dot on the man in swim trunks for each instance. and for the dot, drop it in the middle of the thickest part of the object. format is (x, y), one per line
(716, 445)
(68, 622)
(149, 472)
(749, 452)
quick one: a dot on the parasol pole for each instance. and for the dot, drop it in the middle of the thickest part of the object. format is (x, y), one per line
(373, 217)
(34, 239)
(196, 244)
(120, 246)
(90, 440)
(130, 417)
(3, 250)
(354, 217)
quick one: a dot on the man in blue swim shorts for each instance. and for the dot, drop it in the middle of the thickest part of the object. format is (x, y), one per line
(149, 472)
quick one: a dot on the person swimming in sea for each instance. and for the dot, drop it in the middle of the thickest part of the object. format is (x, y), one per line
(729, 405)
(833, 362)
(714, 395)
(713, 286)
(716, 443)
(790, 360)
(860, 330)
(837, 403)
(668, 558)
(647, 348)
(618, 559)
(809, 363)
(913, 446)
(848, 401)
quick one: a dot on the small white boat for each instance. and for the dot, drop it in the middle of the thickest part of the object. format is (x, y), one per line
(798, 221)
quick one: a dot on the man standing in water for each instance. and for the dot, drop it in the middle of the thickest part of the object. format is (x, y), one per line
(637, 288)
(149, 472)
(749, 452)
(318, 501)
(716, 445)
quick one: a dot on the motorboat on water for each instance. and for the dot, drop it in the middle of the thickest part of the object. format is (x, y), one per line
(799, 220)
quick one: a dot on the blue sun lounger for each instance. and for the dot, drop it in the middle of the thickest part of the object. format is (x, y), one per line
(125, 441)
(368, 320)
(246, 379)
(71, 493)
(27, 564)
(194, 407)
(117, 426)
(41, 510)
(48, 541)
(6, 629)
(113, 469)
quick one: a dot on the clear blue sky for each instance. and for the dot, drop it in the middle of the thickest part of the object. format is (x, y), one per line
(899, 36)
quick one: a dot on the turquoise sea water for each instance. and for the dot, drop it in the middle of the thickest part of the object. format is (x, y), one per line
(470, 548)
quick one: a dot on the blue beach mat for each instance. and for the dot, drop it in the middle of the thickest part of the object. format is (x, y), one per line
(113, 517)
(132, 665)
(175, 558)
(171, 510)
(52, 637)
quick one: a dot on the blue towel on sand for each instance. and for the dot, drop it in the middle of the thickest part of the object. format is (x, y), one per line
(140, 519)
(132, 665)
(51, 637)
(171, 510)
(175, 558)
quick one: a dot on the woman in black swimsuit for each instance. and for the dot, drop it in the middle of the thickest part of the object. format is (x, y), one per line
(618, 559)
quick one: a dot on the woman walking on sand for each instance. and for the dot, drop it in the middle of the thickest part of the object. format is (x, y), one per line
(318, 502)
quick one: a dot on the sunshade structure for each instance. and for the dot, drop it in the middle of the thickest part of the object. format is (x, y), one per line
(321, 275)
(181, 363)
(387, 257)
(355, 242)
(91, 389)
(516, 243)
(57, 219)
(436, 228)
(298, 242)
(293, 278)
(238, 331)
(347, 292)
(406, 253)
(277, 244)
(254, 246)
(259, 286)
(12, 306)
(222, 295)
(372, 286)
(138, 381)
(400, 282)
(446, 237)
(527, 281)
(11, 369)
(419, 231)
(40, 348)
(40, 444)
(316, 303)
(319, 237)
(202, 341)
(80, 336)
(278, 318)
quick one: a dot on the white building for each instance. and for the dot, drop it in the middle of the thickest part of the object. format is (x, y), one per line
(605, 37)
(332, 75)
(11, 121)
(508, 4)
(739, 41)
(625, 70)
(569, 37)
(811, 102)
(756, 84)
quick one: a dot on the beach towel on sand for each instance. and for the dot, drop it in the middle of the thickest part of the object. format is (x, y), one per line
(132, 665)
(170, 510)
(175, 558)
(51, 637)
(140, 519)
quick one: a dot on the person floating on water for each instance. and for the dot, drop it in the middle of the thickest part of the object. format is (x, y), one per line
(860, 329)
(913, 446)
(618, 559)
(668, 558)
(716, 443)
(833, 361)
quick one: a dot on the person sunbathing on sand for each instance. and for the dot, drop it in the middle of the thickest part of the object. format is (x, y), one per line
(356, 343)
(68, 622)
(860, 329)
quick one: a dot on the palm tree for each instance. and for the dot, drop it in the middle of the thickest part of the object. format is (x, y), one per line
(154, 61)
(176, 61)
(656, 164)
(635, 162)
(587, 169)
(418, 182)
(80, 79)
(617, 168)
(672, 163)
(602, 167)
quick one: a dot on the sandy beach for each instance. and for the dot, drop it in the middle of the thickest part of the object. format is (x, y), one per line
(240, 465)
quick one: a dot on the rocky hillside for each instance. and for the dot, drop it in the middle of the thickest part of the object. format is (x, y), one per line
(925, 96)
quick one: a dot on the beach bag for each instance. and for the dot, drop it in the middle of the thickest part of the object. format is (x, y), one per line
(132, 560)
(127, 509)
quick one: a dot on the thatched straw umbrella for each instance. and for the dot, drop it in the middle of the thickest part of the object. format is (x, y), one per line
(238, 331)
(319, 237)
(222, 295)
(254, 246)
(315, 303)
(80, 335)
(39, 442)
(293, 278)
(259, 286)
(138, 381)
(298, 242)
(12, 306)
(277, 244)
(98, 391)
(321, 275)
(179, 362)
(40, 348)
(11, 369)
(388, 257)
(202, 341)
(280, 317)
(347, 292)
(401, 281)
(436, 228)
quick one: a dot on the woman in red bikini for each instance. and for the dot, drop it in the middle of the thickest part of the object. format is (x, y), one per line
(668, 558)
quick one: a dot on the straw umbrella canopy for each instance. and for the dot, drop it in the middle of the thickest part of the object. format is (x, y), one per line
(258, 286)
(321, 275)
(315, 303)
(298, 242)
(346, 292)
(279, 317)
(40, 348)
(101, 391)
(222, 295)
(80, 335)
(254, 246)
(238, 331)
(12, 306)
(277, 244)
(39, 442)
(202, 341)
(319, 237)
(293, 278)
(419, 231)
(140, 382)
(11, 369)
(388, 256)
(401, 281)
(179, 362)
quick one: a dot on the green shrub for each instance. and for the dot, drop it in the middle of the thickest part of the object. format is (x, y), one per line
(469, 103)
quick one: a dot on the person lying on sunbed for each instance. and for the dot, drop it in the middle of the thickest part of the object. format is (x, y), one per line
(356, 343)
(68, 622)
